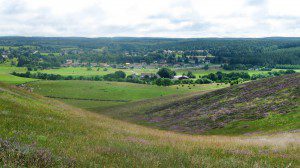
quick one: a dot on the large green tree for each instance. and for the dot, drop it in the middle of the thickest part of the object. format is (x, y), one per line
(166, 73)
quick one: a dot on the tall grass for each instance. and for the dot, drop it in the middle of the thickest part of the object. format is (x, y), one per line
(95, 140)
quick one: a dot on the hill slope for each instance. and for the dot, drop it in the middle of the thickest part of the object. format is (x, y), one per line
(93, 140)
(250, 101)
(264, 105)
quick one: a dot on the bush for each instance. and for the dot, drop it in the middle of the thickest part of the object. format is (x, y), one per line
(233, 82)
(203, 81)
(163, 82)
(187, 81)
(290, 71)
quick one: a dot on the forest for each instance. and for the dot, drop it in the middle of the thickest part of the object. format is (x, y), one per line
(235, 53)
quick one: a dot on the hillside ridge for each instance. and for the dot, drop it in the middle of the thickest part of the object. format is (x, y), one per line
(246, 102)
(274, 99)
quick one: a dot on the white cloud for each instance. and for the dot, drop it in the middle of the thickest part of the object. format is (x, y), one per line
(167, 18)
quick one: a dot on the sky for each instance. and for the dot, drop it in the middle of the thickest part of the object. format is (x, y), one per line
(150, 18)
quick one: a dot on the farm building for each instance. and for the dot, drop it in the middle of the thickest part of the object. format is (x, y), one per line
(180, 77)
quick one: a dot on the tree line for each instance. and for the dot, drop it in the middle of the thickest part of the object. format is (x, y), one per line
(164, 77)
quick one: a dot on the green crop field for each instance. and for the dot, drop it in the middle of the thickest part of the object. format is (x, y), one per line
(96, 95)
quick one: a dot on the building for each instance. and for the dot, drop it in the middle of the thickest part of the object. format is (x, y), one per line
(149, 75)
(180, 77)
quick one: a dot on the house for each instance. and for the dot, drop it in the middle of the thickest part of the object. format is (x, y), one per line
(180, 77)
(93, 64)
(149, 75)
(103, 65)
(167, 51)
(69, 62)
(85, 64)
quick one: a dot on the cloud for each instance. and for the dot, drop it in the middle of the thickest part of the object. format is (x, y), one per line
(167, 18)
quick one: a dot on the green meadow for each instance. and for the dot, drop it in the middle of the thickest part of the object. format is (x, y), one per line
(97, 95)
(83, 71)
(5, 76)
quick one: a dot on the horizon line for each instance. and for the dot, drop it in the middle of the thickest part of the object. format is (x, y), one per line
(154, 37)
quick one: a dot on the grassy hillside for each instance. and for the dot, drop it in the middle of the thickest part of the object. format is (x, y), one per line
(38, 124)
(268, 105)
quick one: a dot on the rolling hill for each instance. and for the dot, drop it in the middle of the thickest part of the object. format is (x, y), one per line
(37, 131)
(267, 105)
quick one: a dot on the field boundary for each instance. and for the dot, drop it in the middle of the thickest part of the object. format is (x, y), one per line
(71, 98)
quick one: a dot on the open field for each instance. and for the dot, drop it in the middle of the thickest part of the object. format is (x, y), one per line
(82, 71)
(6, 77)
(93, 140)
(97, 95)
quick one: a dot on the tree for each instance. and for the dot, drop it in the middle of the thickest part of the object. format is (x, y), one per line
(212, 76)
(186, 60)
(190, 75)
(196, 61)
(166, 73)
(120, 74)
(206, 67)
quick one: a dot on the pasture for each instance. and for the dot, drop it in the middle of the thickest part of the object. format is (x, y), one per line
(98, 95)
(83, 71)
(6, 77)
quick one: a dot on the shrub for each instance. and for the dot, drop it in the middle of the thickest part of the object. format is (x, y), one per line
(163, 82)
(203, 81)
(190, 75)
(290, 71)
(13, 154)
